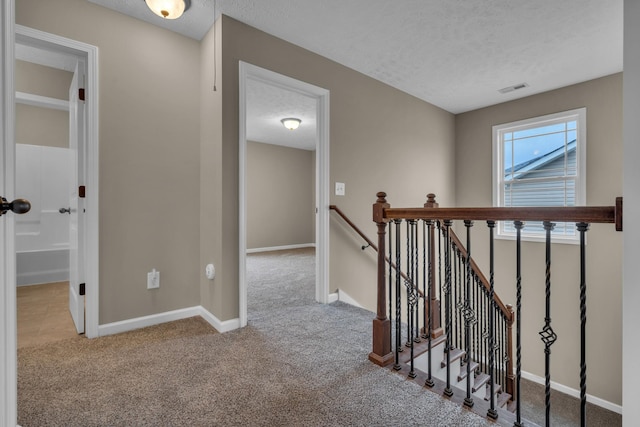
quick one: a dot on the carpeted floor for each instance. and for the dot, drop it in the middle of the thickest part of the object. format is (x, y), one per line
(297, 363)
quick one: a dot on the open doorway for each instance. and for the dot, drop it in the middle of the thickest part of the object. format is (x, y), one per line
(272, 95)
(44, 173)
(56, 167)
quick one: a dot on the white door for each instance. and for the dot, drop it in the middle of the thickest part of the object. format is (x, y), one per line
(76, 205)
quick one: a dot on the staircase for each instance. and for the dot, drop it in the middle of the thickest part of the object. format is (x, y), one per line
(438, 319)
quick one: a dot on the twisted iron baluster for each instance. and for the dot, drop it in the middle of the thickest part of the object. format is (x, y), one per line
(456, 290)
(411, 290)
(396, 366)
(469, 315)
(447, 295)
(429, 381)
(440, 231)
(407, 285)
(390, 281)
(518, 225)
(416, 281)
(547, 335)
(424, 280)
(583, 227)
(491, 413)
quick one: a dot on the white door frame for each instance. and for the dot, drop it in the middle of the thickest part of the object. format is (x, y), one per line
(89, 53)
(248, 71)
(8, 327)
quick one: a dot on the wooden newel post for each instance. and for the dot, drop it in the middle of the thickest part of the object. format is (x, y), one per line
(434, 304)
(511, 378)
(381, 354)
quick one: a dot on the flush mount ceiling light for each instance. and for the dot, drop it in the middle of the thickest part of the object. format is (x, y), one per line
(168, 9)
(291, 123)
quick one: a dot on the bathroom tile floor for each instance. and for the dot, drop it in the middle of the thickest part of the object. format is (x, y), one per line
(43, 314)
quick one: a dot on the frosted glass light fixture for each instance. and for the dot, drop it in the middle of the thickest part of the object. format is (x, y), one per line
(291, 123)
(168, 9)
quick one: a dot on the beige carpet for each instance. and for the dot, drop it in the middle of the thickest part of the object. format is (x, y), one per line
(298, 363)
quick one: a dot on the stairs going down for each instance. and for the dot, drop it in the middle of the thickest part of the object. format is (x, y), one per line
(480, 386)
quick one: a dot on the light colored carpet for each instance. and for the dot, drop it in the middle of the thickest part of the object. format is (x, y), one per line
(297, 363)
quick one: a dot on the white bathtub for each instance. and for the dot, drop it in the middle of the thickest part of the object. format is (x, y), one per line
(42, 235)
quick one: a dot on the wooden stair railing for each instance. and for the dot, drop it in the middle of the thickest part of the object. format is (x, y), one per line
(369, 242)
(465, 271)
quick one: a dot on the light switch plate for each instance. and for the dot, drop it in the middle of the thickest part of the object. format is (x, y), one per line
(339, 188)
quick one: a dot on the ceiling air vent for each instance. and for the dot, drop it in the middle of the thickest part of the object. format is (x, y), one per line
(512, 88)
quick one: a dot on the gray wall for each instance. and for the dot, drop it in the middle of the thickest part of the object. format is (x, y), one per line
(280, 196)
(603, 99)
(149, 154)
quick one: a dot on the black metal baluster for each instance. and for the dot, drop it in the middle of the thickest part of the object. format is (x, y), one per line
(481, 315)
(396, 366)
(407, 285)
(476, 303)
(416, 282)
(456, 297)
(389, 234)
(424, 280)
(411, 290)
(547, 335)
(583, 227)
(518, 225)
(429, 381)
(447, 295)
(491, 413)
(469, 316)
(440, 232)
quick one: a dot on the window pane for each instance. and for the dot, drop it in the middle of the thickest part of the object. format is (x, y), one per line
(542, 130)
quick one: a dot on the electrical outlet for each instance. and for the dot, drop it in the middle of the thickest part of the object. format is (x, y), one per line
(153, 279)
(340, 187)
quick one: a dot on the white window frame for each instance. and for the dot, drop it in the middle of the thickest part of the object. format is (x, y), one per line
(580, 115)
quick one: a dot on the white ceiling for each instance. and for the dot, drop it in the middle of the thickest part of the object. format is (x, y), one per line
(267, 105)
(455, 54)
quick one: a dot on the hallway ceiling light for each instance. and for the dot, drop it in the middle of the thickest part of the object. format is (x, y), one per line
(291, 123)
(168, 9)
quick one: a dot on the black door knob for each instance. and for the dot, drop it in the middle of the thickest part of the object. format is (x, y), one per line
(18, 206)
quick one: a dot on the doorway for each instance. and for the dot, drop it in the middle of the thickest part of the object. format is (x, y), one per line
(59, 240)
(319, 99)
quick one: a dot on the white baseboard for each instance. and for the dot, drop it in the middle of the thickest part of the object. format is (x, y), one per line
(168, 316)
(573, 392)
(221, 326)
(342, 296)
(281, 248)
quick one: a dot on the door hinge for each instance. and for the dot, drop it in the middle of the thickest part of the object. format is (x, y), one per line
(81, 94)
(82, 290)
(82, 191)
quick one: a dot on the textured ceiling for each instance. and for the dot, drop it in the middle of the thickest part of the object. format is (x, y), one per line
(455, 54)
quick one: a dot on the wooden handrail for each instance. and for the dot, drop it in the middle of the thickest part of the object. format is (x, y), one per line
(589, 214)
(373, 246)
(355, 227)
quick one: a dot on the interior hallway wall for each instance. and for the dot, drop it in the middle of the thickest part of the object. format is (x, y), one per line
(149, 154)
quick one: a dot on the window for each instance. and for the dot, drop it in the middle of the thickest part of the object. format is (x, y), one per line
(540, 162)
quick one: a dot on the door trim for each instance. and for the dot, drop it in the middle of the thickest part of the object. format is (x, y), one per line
(249, 71)
(8, 317)
(42, 39)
